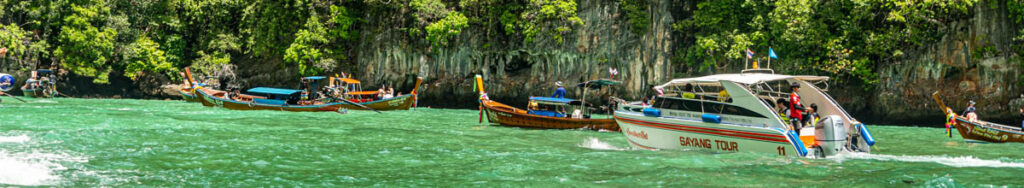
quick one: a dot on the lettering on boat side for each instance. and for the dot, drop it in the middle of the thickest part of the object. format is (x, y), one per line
(988, 133)
(395, 102)
(640, 135)
(706, 143)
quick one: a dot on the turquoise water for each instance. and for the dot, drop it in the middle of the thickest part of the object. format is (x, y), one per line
(107, 142)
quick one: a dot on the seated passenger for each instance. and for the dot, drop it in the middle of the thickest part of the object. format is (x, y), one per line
(782, 107)
(812, 115)
(688, 92)
(971, 112)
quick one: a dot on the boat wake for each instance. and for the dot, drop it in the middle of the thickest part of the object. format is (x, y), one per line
(594, 143)
(953, 161)
(15, 139)
(45, 101)
(31, 168)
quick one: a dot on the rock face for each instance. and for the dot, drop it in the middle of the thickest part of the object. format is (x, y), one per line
(512, 72)
(973, 61)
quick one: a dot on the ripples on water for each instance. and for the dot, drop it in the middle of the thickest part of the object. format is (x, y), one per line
(102, 142)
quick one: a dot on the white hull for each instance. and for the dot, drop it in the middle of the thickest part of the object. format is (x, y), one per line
(674, 133)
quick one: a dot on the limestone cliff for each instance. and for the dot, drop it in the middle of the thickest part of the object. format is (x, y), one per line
(514, 71)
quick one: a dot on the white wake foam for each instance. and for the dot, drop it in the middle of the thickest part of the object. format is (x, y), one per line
(594, 143)
(14, 139)
(960, 161)
(31, 168)
(45, 101)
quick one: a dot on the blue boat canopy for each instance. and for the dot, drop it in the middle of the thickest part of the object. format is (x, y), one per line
(550, 100)
(44, 71)
(274, 91)
(314, 77)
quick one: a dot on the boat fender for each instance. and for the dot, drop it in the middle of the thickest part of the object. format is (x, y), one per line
(711, 118)
(252, 104)
(865, 134)
(652, 112)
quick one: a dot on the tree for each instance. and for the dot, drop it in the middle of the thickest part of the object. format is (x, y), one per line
(85, 49)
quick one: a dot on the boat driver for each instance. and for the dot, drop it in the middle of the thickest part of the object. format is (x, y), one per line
(795, 108)
(1021, 115)
(560, 92)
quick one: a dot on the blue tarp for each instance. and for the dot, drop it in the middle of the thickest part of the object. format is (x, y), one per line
(546, 113)
(275, 91)
(315, 77)
(552, 100)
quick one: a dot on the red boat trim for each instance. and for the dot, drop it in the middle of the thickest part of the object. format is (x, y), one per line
(640, 145)
(709, 131)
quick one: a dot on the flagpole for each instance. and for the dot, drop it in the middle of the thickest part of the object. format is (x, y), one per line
(770, 57)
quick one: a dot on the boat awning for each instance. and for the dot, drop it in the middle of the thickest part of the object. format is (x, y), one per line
(362, 93)
(597, 84)
(748, 78)
(550, 100)
(349, 80)
(274, 91)
(44, 71)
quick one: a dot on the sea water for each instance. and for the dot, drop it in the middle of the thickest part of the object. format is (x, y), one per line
(108, 142)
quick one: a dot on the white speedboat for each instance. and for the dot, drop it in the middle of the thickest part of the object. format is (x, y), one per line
(734, 113)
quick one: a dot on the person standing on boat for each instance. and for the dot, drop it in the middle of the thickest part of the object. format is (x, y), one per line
(1021, 115)
(560, 92)
(796, 110)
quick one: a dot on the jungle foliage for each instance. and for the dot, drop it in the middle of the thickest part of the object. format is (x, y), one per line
(848, 39)
(133, 38)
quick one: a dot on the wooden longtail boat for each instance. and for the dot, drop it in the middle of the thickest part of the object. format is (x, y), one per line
(42, 87)
(982, 131)
(510, 116)
(263, 98)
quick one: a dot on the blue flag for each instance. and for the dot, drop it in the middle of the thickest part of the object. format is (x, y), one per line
(771, 53)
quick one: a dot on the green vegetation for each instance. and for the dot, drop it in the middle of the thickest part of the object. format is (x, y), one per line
(845, 38)
(101, 38)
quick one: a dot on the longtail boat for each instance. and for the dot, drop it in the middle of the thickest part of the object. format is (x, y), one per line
(981, 131)
(188, 91)
(42, 84)
(545, 112)
(266, 98)
(733, 113)
(348, 89)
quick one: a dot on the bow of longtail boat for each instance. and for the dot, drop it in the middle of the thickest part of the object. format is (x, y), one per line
(981, 131)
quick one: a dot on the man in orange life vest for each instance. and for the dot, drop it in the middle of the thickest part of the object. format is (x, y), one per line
(796, 110)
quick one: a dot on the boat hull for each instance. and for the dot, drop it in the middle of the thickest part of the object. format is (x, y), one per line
(403, 102)
(188, 95)
(989, 132)
(664, 133)
(508, 116)
(397, 103)
(209, 100)
(36, 93)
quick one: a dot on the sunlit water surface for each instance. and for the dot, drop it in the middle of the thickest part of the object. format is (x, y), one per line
(107, 142)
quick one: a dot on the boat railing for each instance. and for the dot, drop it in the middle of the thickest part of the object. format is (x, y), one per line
(766, 71)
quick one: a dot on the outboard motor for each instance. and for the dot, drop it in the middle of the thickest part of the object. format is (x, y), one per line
(830, 135)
